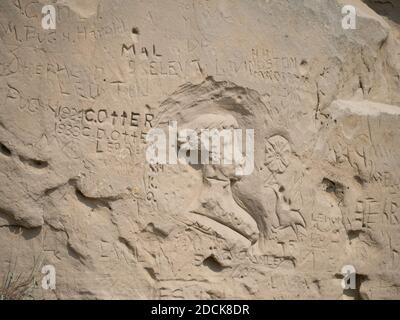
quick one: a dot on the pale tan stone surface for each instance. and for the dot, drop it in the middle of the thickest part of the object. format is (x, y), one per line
(77, 193)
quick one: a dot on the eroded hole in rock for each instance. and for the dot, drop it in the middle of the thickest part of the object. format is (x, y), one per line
(353, 234)
(336, 188)
(212, 263)
(35, 163)
(4, 150)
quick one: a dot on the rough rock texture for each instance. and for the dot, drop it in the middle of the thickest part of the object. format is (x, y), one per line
(76, 190)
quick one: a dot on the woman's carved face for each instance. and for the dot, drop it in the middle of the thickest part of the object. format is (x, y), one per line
(219, 165)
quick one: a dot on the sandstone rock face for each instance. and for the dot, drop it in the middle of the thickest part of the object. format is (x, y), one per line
(78, 193)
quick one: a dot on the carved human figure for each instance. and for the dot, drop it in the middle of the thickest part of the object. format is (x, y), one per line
(215, 200)
(253, 209)
(247, 205)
